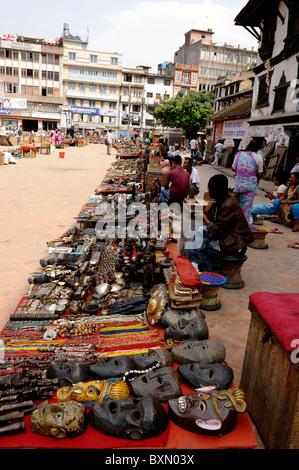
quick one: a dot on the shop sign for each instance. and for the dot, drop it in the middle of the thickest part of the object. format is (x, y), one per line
(21, 46)
(81, 110)
(14, 103)
(5, 111)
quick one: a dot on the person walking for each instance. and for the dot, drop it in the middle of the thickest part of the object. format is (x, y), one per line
(193, 144)
(248, 165)
(109, 141)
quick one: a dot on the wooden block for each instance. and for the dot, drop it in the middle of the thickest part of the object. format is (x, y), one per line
(270, 382)
(1, 158)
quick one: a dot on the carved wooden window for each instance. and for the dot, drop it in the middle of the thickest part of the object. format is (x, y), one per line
(263, 93)
(280, 95)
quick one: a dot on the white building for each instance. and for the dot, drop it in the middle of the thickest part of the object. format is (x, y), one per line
(275, 104)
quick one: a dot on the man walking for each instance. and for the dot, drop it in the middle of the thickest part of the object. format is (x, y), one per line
(109, 141)
(193, 144)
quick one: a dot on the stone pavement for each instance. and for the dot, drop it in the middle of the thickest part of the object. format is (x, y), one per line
(40, 198)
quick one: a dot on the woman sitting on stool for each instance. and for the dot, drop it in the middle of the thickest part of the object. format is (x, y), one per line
(226, 232)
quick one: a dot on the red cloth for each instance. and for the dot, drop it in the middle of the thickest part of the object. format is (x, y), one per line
(26, 148)
(188, 274)
(281, 313)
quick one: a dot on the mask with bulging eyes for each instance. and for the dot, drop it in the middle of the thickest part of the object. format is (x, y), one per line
(60, 420)
(207, 411)
(161, 383)
(183, 329)
(129, 418)
(202, 375)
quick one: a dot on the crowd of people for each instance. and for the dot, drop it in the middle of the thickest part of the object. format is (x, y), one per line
(228, 217)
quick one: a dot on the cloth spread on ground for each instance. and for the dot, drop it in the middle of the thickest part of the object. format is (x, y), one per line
(281, 313)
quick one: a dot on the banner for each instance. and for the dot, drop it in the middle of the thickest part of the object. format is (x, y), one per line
(14, 103)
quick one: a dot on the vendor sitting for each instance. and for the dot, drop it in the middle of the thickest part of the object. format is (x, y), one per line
(226, 230)
(288, 203)
(268, 208)
(194, 181)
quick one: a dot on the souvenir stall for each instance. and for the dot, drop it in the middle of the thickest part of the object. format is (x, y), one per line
(109, 331)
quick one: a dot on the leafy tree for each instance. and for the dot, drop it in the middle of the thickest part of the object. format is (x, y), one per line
(190, 112)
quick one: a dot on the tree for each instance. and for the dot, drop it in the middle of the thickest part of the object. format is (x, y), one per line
(190, 112)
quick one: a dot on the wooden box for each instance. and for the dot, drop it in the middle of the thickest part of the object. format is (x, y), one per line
(28, 153)
(270, 381)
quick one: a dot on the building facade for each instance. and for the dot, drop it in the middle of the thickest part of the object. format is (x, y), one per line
(30, 84)
(213, 60)
(275, 104)
(91, 85)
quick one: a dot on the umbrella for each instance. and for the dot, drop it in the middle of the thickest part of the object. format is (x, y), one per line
(50, 42)
(134, 132)
(8, 37)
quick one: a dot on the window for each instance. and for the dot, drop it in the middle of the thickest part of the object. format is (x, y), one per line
(166, 82)
(151, 80)
(50, 75)
(194, 78)
(112, 90)
(113, 106)
(44, 91)
(56, 76)
(23, 55)
(263, 93)
(178, 76)
(71, 102)
(186, 78)
(56, 59)
(149, 95)
(112, 120)
(128, 78)
(2, 71)
(44, 74)
(72, 56)
(36, 74)
(44, 59)
(114, 61)
(280, 95)
(102, 90)
(29, 73)
(8, 87)
(138, 79)
(50, 59)
(15, 54)
(93, 59)
(8, 53)
(92, 88)
(50, 91)
(23, 73)
(81, 87)
(71, 86)
(92, 103)
(8, 70)
(91, 118)
(16, 72)
(158, 96)
(30, 56)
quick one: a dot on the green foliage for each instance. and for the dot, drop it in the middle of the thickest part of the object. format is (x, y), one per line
(190, 112)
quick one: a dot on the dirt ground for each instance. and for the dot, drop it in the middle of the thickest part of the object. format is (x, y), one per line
(40, 198)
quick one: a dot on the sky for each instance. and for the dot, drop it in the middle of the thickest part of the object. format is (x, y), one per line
(145, 32)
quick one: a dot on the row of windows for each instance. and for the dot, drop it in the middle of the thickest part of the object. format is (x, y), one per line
(151, 80)
(93, 58)
(94, 119)
(30, 90)
(91, 103)
(92, 74)
(184, 77)
(10, 71)
(92, 88)
(226, 57)
(215, 73)
(30, 56)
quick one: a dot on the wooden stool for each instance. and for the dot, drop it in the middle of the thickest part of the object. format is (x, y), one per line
(231, 269)
(259, 235)
(210, 285)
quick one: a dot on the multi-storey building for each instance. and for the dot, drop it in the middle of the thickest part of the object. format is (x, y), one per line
(213, 60)
(92, 81)
(131, 101)
(185, 77)
(30, 84)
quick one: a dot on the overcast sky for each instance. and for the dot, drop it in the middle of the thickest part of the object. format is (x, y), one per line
(144, 32)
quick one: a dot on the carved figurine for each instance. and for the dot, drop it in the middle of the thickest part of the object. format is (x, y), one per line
(94, 391)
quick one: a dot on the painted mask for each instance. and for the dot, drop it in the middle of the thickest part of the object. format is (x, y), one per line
(59, 420)
(130, 418)
(161, 383)
(203, 375)
(209, 351)
(98, 390)
(208, 412)
(183, 329)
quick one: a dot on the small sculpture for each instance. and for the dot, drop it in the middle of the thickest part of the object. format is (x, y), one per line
(209, 351)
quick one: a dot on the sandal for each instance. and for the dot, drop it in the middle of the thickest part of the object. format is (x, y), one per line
(295, 229)
(275, 221)
(294, 245)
